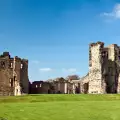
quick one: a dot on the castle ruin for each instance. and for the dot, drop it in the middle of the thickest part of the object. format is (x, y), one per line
(57, 86)
(13, 75)
(103, 76)
(104, 70)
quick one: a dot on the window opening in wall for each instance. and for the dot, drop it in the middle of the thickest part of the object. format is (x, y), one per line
(21, 66)
(11, 82)
(119, 52)
(40, 85)
(11, 65)
(119, 57)
(14, 78)
(3, 64)
(103, 53)
(36, 86)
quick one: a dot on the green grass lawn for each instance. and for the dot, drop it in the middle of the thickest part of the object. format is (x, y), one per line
(61, 107)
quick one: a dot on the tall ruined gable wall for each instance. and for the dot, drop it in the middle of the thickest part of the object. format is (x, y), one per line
(95, 67)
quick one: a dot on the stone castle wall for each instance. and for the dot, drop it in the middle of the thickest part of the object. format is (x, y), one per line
(12, 80)
(103, 75)
(104, 70)
(95, 68)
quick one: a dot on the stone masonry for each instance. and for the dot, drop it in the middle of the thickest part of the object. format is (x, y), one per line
(57, 86)
(13, 75)
(104, 70)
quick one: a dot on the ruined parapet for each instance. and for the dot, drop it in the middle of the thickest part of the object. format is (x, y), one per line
(94, 46)
(5, 54)
(25, 62)
(95, 52)
(5, 61)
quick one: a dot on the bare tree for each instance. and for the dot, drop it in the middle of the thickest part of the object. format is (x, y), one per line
(60, 79)
(73, 77)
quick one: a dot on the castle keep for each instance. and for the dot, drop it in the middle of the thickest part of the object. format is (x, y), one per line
(13, 75)
(104, 70)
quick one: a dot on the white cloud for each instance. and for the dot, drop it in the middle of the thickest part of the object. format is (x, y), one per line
(115, 13)
(69, 70)
(45, 69)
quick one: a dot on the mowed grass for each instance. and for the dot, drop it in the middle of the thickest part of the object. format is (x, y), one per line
(61, 107)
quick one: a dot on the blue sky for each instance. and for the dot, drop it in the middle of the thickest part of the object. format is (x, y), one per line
(54, 34)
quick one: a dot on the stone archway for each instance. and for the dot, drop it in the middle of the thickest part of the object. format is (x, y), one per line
(86, 87)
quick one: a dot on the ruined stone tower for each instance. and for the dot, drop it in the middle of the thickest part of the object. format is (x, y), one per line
(13, 75)
(104, 68)
(95, 68)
